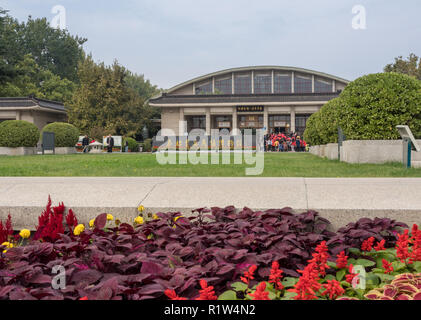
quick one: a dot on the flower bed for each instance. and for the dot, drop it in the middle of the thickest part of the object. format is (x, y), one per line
(246, 255)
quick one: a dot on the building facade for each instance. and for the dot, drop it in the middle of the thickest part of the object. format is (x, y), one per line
(37, 111)
(278, 99)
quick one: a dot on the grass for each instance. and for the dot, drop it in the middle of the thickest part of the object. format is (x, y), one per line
(141, 165)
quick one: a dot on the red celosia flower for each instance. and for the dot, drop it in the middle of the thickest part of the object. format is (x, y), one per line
(320, 258)
(387, 266)
(333, 289)
(6, 229)
(207, 292)
(402, 244)
(380, 245)
(368, 244)
(260, 293)
(342, 261)
(71, 220)
(249, 275)
(350, 277)
(275, 276)
(308, 284)
(84, 298)
(172, 295)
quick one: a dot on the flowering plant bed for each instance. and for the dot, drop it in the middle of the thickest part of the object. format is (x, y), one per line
(248, 255)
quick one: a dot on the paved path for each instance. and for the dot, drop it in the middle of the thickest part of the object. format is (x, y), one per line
(341, 200)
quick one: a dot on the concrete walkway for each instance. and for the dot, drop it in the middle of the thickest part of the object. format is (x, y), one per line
(340, 200)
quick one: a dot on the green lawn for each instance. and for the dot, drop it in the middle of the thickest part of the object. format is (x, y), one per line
(139, 165)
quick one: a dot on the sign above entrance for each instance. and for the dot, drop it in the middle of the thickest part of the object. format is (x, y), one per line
(250, 108)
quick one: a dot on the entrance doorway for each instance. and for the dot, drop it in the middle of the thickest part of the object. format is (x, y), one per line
(280, 123)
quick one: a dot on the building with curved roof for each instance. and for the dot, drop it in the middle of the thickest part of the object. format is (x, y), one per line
(278, 99)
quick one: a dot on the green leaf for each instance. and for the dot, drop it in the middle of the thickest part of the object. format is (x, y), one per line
(239, 286)
(331, 264)
(330, 277)
(289, 295)
(228, 295)
(355, 251)
(365, 263)
(417, 266)
(398, 266)
(289, 282)
(340, 274)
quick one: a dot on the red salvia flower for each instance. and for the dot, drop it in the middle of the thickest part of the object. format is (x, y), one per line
(350, 277)
(416, 241)
(84, 298)
(172, 295)
(260, 293)
(367, 244)
(207, 292)
(402, 250)
(320, 258)
(380, 245)
(387, 266)
(275, 276)
(333, 289)
(308, 284)
(249, 275)
(342, 260)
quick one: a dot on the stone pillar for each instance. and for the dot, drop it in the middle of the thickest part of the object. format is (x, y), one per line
(292, 119)
(292, 82)
(266, 120)
(208, 121)
(182, 126)
(234, 121)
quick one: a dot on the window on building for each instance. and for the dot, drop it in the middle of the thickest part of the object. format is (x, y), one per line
(282, 83)
(223, 86)
(243, 84)
(204, 88)
(322, 85)
(196, 122)
(262, 83)
(302, 83)
(300, 123)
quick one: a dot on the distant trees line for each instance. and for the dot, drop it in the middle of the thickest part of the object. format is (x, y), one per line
(36, 59)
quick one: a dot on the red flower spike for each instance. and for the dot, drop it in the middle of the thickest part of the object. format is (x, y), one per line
(207, 292)
(172, 295)
(342, 261)
(275, 276)
(308, 283)
(380, 245)
(402, 247)
(367, 244)
(260, 293)
(249, 275)
(320, 258)
(333, 289)
(387, 266)
(350, 277)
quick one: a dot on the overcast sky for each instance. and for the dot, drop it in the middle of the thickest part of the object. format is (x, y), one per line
(171, 41)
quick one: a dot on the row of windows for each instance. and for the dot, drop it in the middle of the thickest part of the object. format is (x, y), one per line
(282, 83)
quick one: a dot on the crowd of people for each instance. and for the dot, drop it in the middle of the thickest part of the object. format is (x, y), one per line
(281, 142)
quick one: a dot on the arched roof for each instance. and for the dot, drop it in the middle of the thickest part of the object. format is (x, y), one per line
(255, 68)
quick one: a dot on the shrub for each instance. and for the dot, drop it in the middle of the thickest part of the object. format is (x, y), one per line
(147, 145)
(311, 134)
(328, 121)
(18, 133)
(66, 135)
(373, 105)
(133, 144)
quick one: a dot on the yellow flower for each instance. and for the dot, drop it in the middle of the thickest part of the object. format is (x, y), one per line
(117, 222)
(79, 229)
(7, 245)
(150, 236)
(139, 220)
(176, 218)
(25, 233)
(110, 217)
(92, 223)
(141, 208)
(155, 216)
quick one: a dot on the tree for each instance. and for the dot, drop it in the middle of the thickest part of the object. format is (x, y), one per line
(103, 100)
(411, 66)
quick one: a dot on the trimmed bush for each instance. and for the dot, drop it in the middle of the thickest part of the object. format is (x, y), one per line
(373, 105)
(369, 108)
(66, 135)
(147, 145)
(133, 144)
(18, 133)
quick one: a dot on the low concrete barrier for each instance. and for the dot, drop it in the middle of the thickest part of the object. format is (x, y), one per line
(21, 151)
(331, 151)
(63, 150)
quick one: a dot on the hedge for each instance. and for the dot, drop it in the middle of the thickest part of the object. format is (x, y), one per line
(66, 135)
(369, 108)
(133, 145)
(18, 133)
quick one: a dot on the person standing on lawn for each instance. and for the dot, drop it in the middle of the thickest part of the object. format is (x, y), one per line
(110, 143)
(85, 143)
